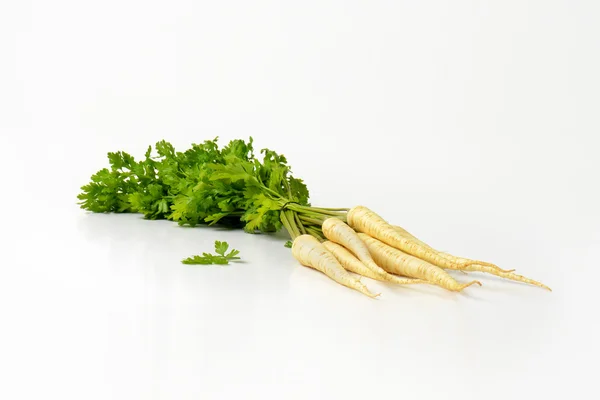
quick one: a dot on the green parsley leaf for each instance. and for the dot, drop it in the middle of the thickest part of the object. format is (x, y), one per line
(221, 247)
(203, 185)
(220, 258)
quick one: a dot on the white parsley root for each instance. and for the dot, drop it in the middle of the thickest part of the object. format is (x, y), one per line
(353, 264)
(311, 253)
(400, 263)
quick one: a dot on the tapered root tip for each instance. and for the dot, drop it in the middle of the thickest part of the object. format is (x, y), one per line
(364, 290)
(466, 285)
(532, 282)
(523, 279)
(535, 283)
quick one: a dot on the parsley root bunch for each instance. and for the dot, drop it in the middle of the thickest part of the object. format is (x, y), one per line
(392, 248)
(231, 186)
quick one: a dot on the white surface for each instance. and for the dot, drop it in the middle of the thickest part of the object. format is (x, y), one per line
(480, 126)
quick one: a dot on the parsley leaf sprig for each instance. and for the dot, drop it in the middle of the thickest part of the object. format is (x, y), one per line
(206, 185)
(220, 258)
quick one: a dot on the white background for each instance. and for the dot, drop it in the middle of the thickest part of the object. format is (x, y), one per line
(473, 124)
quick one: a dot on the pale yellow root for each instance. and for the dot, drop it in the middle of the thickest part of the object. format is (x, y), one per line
(311, 253)
(410, 236)
(338, 232)
(469, 262)
(507, 275)
(398, 262)
(353, 264)
(364, 220)
(458, 260)
(478, 266)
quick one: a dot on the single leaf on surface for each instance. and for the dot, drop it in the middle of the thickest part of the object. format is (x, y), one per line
(220, 258)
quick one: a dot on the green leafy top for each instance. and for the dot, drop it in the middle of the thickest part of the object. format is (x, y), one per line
(220, 258)
(202, 185)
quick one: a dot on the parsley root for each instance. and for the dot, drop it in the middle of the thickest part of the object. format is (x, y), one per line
(364, 220)
(353, 264)
(311, 253)
(478, 266)
(458, 260)
(400, 263)
(338, 232)
(508, 275)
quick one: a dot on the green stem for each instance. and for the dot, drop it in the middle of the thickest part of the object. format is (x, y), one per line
(330, 209)
(288, 188)
(292, 222)
(318, 218)
(323, 210)
(314, 215)
(317, 210)
(310, 220)
(287, 225)
(272, 192)
(299, 223)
